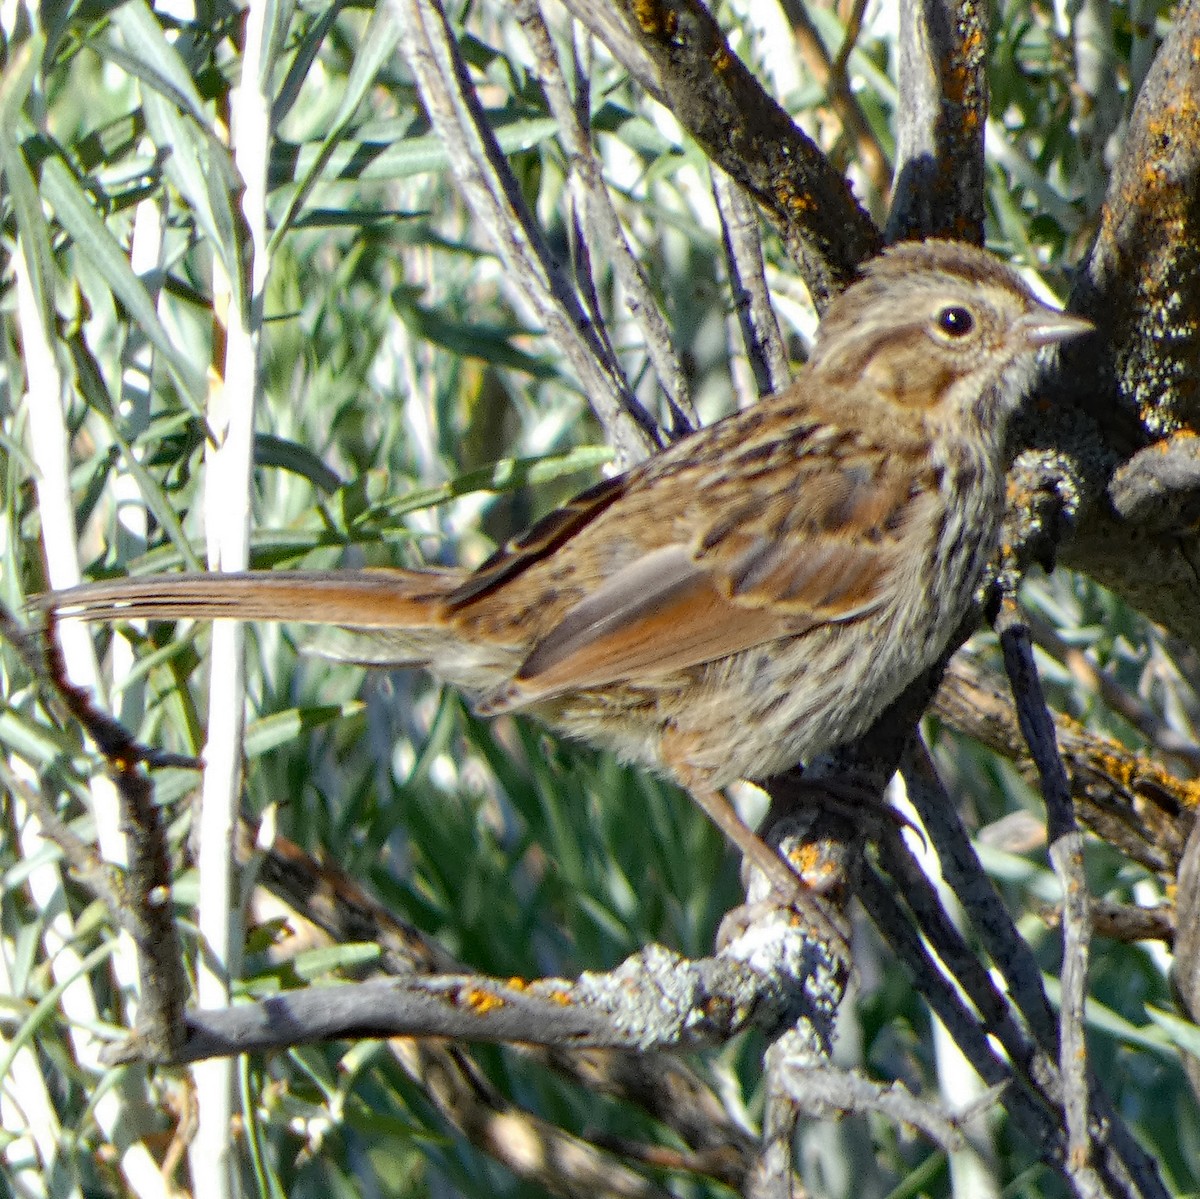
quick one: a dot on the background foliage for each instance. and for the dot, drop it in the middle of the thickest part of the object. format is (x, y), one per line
(413, 413)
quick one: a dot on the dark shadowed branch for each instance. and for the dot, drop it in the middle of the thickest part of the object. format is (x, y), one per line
(1066, 854)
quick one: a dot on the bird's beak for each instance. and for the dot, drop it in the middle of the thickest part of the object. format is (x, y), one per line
(1048, 326)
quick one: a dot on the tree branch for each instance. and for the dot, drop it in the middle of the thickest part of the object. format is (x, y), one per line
(939, 142)
(676, 51)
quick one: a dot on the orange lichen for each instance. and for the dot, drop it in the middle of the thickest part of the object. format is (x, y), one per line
(814, 865)
(480, 1001)
(1133, 771)
(959, 75)
(798, 202)
(649, 16)
(808, 858)
(1117, 767)
(1189, 792)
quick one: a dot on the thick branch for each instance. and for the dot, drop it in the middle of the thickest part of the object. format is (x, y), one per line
(939, 144)
(653, 999)
(1141, 281)
(1140, 379)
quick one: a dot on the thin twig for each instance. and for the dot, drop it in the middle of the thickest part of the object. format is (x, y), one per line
(486, 183)
(602, 227)
(772, 1176)
(822, 1091)
(853, 31)
(46, 391)
(1029, 1109)
(1128, 706)
(986, 910)
(1122, 1163)
(740, 236)
(531, 1148)
(1066, 854)
(830, 74)
(1127, 798)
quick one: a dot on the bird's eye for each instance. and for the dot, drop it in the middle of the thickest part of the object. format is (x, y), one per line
(955, 321)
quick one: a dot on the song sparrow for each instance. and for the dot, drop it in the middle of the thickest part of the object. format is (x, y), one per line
(756, 593)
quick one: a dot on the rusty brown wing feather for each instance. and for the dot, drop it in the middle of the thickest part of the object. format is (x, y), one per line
(818, 540)
(539, 541)
(810, 538)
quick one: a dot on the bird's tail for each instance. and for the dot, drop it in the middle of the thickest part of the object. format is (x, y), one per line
(393, 617)
(360, 599)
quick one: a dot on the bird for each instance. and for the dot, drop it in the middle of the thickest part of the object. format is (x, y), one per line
(754, 594)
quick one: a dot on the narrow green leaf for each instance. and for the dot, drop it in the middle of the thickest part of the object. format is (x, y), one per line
(203, 174)
(151, 58)
(45, 1011)
(36, 743)
(1101, 1018)
(400, 160)
(337, 218)
(378, 42)
(270, 450)
(505, 475)
(316, 963)
(78, 216)
(1183, 1034)
(281, 727)
(197, 163)
(15, 84)
(489, 343)
(91, 385)
(302, 60)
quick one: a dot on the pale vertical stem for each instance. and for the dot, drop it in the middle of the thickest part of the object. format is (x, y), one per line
(133, 407)
(232, 407)
(1098, 101)
(44, 400)
(27, 1111)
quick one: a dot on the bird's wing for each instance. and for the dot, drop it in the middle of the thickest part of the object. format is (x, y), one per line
(787, 537)
(538, 541)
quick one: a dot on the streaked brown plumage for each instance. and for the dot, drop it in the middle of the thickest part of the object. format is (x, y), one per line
(754, 594)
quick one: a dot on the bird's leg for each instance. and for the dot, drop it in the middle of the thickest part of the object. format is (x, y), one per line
(788, 886)
(679, 751)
